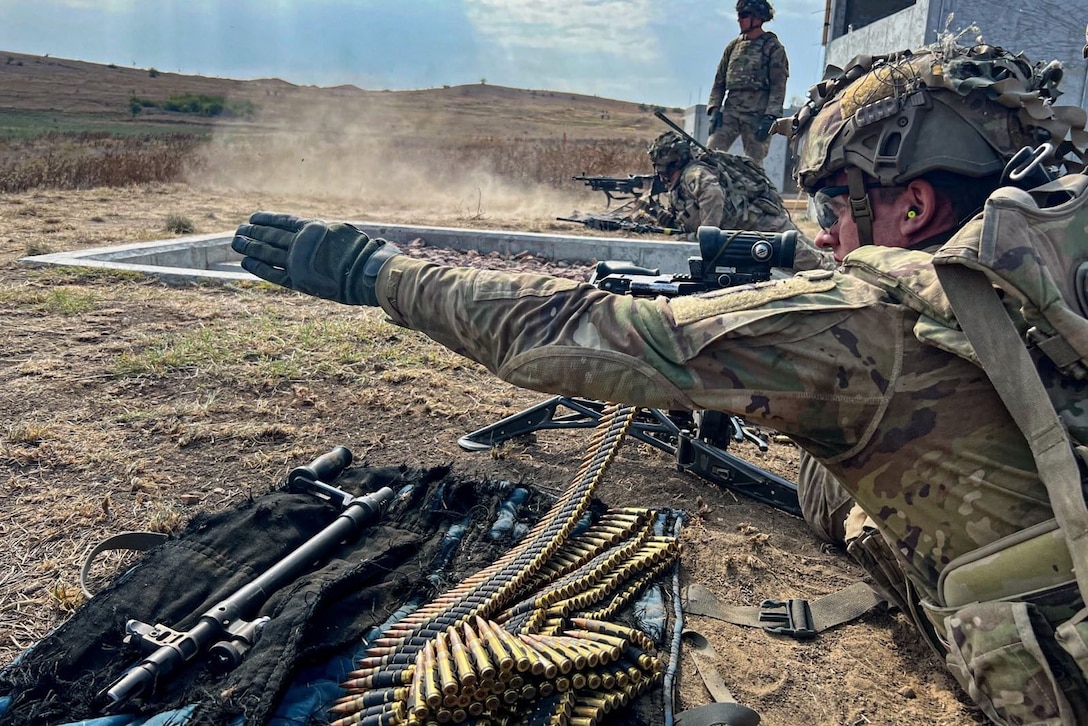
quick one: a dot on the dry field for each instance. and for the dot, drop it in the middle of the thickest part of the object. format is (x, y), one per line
(128, 404)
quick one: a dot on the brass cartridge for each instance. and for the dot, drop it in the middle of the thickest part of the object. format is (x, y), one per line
(514, 646)
(446, 679)
(384, 679)
(432, 696)
(560, 662)
(588, 712)
(494, 644)
(417, 702)
(484, 667)
(465, 672)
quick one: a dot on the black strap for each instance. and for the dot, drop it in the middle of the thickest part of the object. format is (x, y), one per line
(725, 709)
(796, 618)
(730, 714)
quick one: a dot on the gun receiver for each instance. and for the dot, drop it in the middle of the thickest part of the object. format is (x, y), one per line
(696, 439)
(632, 186)
(727, 258)
(229, 628)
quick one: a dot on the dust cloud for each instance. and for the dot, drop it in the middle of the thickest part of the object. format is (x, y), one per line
(385, 161)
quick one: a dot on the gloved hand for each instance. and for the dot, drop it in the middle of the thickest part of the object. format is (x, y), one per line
(764, 128)
(331, 261)
(715, 120)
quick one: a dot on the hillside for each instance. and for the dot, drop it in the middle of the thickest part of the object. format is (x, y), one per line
(55, 90)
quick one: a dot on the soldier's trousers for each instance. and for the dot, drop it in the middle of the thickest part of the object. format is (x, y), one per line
(743, 125)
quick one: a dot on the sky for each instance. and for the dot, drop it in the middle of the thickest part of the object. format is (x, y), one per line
(660, 52)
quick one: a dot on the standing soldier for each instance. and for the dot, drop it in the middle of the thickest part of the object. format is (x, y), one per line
(751, 80)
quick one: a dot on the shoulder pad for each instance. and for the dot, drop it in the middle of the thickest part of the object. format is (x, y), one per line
(906, 275)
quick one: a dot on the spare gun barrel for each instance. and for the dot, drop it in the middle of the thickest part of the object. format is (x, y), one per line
(226, 620)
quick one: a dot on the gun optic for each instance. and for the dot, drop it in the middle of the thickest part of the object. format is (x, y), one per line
(723, 253)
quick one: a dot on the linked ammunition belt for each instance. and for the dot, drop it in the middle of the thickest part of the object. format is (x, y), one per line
(528, 639)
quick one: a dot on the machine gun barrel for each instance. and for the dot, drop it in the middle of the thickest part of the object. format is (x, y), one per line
(225, 631)
(672, 124)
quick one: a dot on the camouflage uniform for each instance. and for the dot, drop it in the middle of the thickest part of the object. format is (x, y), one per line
(827, 358)
(701, 198)
(754, 73)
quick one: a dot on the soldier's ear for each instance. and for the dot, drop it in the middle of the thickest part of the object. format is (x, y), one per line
(922, 212)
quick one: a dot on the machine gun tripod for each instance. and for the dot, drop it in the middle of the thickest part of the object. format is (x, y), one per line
(696, 440)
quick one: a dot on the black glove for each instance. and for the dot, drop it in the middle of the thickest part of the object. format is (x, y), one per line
(715, 120)
(331, 261)
(764, 128)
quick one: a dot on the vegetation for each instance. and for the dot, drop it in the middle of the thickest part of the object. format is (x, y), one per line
(83, 160)
(179, 224)
(88, 159)
(198, 104)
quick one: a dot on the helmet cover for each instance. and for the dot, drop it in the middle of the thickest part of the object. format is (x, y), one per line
(964, 110)
(670, 148)
(759, 8)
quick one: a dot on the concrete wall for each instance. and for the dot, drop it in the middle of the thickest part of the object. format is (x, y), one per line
(1044, 30)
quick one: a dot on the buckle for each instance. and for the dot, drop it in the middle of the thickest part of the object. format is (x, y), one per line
(789, 617)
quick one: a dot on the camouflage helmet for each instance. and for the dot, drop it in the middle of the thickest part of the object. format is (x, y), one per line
(670, 148)
(963, 110)
(759, 8)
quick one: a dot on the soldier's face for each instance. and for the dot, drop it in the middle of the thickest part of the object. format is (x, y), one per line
(838, 230)
(668, 173)
(747, 21)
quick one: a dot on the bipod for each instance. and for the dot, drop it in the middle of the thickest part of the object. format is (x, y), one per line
(695, 442)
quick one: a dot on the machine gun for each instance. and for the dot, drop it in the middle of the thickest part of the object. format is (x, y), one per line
(632, 186)
(226, 631)
(611, 224)
(696, 439)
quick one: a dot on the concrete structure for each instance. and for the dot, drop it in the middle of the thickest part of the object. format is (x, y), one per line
(209, 258)
(1044, 29)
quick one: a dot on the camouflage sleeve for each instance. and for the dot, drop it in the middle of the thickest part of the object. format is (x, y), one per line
(704, 187)
(778, 72)
(749, 353)
(717, 91)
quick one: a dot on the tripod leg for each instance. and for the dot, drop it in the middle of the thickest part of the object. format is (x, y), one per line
(541, 416)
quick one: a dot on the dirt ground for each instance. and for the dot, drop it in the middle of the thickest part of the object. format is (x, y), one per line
(87, 450)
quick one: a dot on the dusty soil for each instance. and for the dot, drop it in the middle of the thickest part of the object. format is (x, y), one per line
(87, 450)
